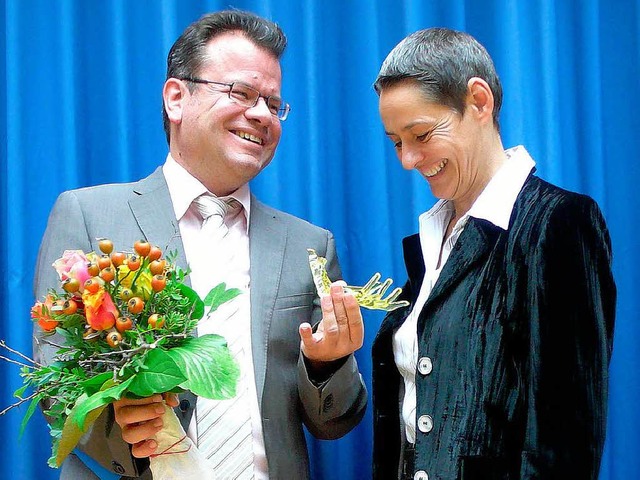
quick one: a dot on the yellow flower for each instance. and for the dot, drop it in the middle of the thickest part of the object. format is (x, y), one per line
(142, 287)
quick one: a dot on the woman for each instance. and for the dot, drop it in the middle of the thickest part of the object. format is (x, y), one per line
(498, 368)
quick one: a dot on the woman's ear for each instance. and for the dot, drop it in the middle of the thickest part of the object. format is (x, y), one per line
(480, 98)
(174, 93)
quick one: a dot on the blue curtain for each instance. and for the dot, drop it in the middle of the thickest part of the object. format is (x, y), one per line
(81, 105)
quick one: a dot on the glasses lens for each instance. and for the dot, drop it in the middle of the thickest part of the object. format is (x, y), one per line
(244, 95)
(283, 111)
(248, 97)
(275, 105)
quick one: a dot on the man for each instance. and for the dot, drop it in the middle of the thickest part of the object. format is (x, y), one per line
(500, 360)
(222, 115)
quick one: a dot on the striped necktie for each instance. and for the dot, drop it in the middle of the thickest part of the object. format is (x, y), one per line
(224, 426)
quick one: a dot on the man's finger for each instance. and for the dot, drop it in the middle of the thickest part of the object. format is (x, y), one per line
(144, 449)
(337, 296)
(139, 432)
(356, 324)
(171, 399)
(330, 324)
(306, 335)
(128, 414)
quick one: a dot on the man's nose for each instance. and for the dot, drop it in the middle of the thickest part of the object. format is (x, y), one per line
(260, 111)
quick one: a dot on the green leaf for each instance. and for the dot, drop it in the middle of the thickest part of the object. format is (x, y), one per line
(87, 403)
(208, 366)
(94, 384)
(33, 405)
(19, 393)
(198, 306)
(160, 375)
(219, 295)
(72, 431)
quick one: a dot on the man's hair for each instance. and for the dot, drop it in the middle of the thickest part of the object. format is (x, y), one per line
(441, 62)
(188, 54)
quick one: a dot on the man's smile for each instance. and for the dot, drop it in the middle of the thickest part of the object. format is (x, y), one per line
(248, 136)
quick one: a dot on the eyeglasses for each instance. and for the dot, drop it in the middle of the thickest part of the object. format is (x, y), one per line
(248, 97)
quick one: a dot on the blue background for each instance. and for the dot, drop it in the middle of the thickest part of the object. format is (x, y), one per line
(80, 104)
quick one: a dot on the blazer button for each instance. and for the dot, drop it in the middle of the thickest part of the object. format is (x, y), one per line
(184, 405)
(117, 468)
(327, 404)
(425, 366)
(425, 423)
(421, 475)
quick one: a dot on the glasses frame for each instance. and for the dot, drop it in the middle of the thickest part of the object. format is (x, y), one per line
(283, 111)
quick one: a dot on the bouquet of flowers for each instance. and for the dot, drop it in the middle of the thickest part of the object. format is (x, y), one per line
(121, 325)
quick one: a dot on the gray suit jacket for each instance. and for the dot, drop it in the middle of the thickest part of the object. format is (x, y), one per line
(282, 296)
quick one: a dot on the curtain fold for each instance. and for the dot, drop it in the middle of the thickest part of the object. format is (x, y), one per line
(81, 105)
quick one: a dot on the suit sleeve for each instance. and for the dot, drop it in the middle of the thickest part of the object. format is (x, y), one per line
(66, 230)
(571, 301)
(333, 408)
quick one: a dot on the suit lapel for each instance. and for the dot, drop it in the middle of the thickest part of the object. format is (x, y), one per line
(267, 239)
(153, 210)
(475, 242)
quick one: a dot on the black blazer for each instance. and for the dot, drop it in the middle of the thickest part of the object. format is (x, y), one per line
(519, 331)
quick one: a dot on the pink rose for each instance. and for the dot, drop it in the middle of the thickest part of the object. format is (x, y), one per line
(73, 264)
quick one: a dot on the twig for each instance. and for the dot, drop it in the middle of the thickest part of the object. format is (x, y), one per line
(49, 342)
(18, 403)
(144, 346)
(90, 361)
(15, 362)
(15, 352)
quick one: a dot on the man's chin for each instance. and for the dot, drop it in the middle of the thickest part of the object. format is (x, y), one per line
(250, 165)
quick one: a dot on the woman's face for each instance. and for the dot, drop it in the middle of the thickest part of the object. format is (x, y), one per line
(444, 146)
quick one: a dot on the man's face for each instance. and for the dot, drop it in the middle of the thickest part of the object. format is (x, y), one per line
(220, 142)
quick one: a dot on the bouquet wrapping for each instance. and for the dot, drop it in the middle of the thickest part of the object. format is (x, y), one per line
(177, 455)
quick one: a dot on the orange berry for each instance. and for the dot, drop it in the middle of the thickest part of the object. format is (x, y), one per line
(108, 274)
(158, 282)
(105, 245)
(155, 321)
(142, 247)
(114, 338)
(155, 253)
(135, 305)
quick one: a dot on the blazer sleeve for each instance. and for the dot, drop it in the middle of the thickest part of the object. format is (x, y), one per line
(66, 230)
(571, 304)
(334, 407)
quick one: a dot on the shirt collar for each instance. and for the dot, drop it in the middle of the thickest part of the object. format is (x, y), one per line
(184, 188)
(496, 201)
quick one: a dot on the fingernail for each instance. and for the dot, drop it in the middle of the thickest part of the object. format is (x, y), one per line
(159, 408)
(157, 422)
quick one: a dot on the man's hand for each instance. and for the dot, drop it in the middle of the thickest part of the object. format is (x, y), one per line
(140, 420)
(340, 332)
